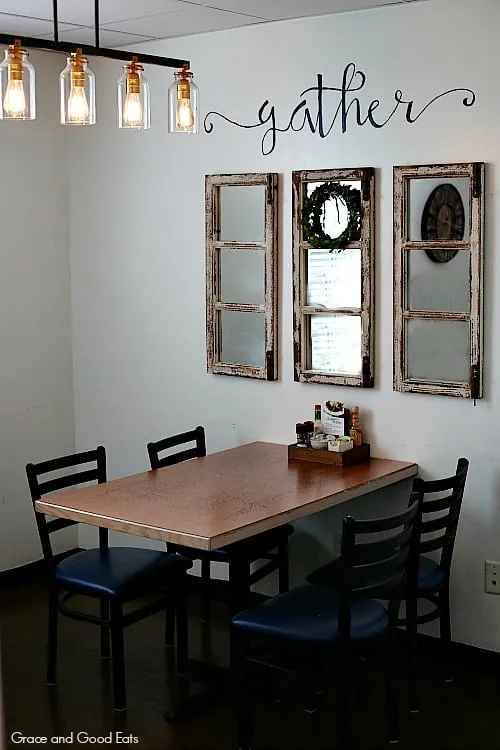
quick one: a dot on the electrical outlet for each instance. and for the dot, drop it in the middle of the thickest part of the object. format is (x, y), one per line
(491, 577)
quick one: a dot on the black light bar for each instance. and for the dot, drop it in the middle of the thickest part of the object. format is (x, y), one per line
(54, 45)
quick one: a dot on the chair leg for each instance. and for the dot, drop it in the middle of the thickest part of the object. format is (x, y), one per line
(205, 590)
(181, 633)
(445, 633)
(344, 689)
(118, 658)
(169, 627)
(52, 637)
(104, 629)
(412, 660)
(241, 693)
(283, 570)
(392, 702)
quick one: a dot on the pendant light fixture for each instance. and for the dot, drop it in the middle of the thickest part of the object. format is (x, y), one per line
(133, 97)
(17, 85)
(183, 103)
(77, 91)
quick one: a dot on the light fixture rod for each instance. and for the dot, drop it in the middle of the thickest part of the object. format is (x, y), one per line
(49, 45)
(96, 22)
(56, 22)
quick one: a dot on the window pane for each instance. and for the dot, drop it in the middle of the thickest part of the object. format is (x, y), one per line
(334, 278)
(242, 213)
(438, 208)
(243, 338)
(438, 350)
(242, 276)
(435, 283)
(336, 343)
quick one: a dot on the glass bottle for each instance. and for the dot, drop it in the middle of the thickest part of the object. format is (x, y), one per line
(17, 85)
(318, 426)
(133, 97)
(77, 91)
(183, 114)
(356, 432)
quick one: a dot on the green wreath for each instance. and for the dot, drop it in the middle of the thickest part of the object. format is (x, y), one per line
(313, 215)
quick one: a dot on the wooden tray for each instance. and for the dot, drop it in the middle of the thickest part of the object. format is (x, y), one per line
(321, 456)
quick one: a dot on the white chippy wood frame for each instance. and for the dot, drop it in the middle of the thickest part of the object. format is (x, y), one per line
(214, 304)
(473, 243)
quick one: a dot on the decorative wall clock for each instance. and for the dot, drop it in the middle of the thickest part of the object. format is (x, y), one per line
(443, 218)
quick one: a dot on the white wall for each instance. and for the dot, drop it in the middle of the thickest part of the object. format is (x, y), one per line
(36, 378)
(138, 264)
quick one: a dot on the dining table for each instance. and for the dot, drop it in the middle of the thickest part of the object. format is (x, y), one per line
(224, 497)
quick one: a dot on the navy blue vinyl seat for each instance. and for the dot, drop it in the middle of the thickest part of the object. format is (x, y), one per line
(119, 572)
(112, 576)
(431, 577)
(310, 614)
(323, 629)
(271, 545)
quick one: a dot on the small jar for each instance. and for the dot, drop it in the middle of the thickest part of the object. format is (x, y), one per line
(309, 425)
(301, 433)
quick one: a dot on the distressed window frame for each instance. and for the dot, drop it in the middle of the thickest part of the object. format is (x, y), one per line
(302, 312)
(402, 246)
(214, 304)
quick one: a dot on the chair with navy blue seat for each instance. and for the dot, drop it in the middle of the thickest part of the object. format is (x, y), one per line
(438, 533)
(114, 576)
(324, 628)
(269, 545)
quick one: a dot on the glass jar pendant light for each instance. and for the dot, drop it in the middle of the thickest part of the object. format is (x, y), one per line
(77, 91)
(133, 98)
(17, 85)
(183, 103)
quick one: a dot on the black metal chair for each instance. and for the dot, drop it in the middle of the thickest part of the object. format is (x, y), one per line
(270, 545)
(438, 533)
(325, 629)
(114, 576)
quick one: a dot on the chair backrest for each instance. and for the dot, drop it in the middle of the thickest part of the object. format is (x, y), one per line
(439, 532)
(379, 559)
(39, 488)
(154, 449)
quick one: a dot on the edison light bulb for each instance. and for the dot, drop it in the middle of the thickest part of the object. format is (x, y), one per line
(78, 108)
(185, 117)
(132, 110)
(14, 102)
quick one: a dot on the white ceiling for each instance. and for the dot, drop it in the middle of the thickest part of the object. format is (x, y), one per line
(125, 22)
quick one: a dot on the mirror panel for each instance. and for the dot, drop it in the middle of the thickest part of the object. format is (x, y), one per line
(435, 285)
(241, 220)
(242, 213)
(439, 209)
(243, 337)
(333, 271)
(242, 276)
(438, 350)
(336, 343)
(334, 278)
(438, 279)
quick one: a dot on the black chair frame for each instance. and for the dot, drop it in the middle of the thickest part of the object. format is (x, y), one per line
(240, 578)
(368, 569)
(112, 619)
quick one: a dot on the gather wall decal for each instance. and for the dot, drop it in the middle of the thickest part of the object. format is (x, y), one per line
(322, 107)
